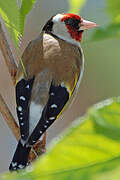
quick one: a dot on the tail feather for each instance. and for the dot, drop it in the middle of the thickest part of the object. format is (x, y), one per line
(20, 157)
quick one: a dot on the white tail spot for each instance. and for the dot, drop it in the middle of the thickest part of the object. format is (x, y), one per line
(21, 166)
(14, 164)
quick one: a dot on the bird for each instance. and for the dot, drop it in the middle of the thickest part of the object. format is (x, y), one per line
(54, 65)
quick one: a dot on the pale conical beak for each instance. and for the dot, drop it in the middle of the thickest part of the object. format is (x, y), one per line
(87, 25)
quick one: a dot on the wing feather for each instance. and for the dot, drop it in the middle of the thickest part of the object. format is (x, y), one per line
(58, 98)
(23, 94)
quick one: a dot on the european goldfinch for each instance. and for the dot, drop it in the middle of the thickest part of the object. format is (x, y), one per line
(54, 64)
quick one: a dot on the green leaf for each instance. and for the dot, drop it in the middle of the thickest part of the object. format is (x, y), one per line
(24, 10)
(89, 150)
(76, 5)
(14, 17)
(10, 14)
(113, 8)
(113, 30)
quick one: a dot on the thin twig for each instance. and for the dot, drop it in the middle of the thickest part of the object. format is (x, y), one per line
(12, 68)
(7, 54)
(38, 149)
(9, 118)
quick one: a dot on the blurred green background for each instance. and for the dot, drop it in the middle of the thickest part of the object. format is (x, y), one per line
(101, 75)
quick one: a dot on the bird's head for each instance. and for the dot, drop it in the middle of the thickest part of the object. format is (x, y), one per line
(68, 27)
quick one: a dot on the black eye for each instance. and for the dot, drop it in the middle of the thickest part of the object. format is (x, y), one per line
(74, 23)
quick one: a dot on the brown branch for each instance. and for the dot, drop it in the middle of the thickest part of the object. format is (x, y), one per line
(7, 54)
(12, 68)
(39, 147)
(9, 118)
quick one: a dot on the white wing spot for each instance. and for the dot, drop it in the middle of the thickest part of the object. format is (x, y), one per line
(22, 124)
(52, 94)
(53, 106)
(40, 132)
(22, 98)
(21, 113)
(28, 86)
(21, 118)
(52, 118)
(45, 126)
(19, 108)
(22, 135)
(47, 121)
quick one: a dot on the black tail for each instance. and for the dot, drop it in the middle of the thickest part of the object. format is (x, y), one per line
(20, 158)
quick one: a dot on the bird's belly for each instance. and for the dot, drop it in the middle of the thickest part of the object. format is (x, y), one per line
(39, 98)
(34, 115)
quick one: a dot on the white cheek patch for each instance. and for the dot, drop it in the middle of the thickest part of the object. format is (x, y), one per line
(61, 31)
(57, 18)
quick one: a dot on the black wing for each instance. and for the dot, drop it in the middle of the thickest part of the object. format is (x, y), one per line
(58, 97)
(23, 94)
